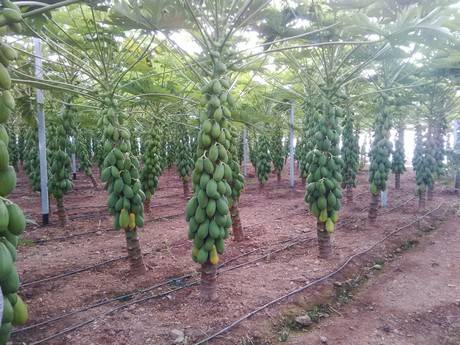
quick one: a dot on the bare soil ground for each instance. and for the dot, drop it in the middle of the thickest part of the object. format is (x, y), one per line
(278, 255)
(415, 301)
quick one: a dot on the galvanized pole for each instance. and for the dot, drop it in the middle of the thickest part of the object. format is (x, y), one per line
(291, 147)
(44, 199)
(245, 152)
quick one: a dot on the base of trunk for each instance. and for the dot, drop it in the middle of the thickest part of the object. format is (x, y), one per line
(373, 207)
(304, 181)
(457, 182)
(147, 203)
(62, 215)
(136, 260)
(421, 201)
(397, 181)
(208, 287)
(324, 241)
(236, 222)
(349, 195)
(186, 188)
(430, 192)
(278, 177)
(94, 182)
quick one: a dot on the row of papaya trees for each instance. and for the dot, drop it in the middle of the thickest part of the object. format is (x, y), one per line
(109, 108)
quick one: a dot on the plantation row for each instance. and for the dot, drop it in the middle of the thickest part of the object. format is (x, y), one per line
(132, 102)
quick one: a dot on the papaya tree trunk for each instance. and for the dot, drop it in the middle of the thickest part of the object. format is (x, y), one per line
(324, 241)
(278, 176)
(457, 181)
(185, 187)
(261, 186)
(147, 203)
(398, 181)
(372, 216)
(349, 194)
(208, 287)
(304, 181)
(94, 182)
(421, 200)
(236, 222)
(136, 260)
(62, 215)
(430, 192)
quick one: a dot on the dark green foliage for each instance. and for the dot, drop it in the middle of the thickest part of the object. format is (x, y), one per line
(324, 166)
(350, 153)
(263, 158)
(380, 149)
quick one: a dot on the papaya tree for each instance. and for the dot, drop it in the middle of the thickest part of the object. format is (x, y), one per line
(424, 165)
(398, 157)
(379, 156)
(153, 167)
(184, 159)
(84, 157)
(236, 183)
(263, 158)
(59, 173)
(276, 147)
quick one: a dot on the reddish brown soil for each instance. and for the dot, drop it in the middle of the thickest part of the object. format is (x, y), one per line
(271, 219)
(416, 300)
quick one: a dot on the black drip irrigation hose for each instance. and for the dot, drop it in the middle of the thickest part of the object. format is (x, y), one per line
(315, 282)
(88, 268)
(169, 281)
(142, 291)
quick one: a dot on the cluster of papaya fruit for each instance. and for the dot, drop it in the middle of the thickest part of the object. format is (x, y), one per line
(207, 212)
(423, 162)
(306, 143)
(13, 147)
(184, 157)
(237, 181)
(276, 147)
(398, 158)
(152, 162)
(263, 158)
(120, 172)
(324, 165)
(380, 151)
(12, 220)
(350, 153)
(83, 152)
(60, 182)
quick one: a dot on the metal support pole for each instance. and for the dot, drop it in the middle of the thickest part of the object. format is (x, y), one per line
(291, 147)
(44, 199)
(245, 152)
